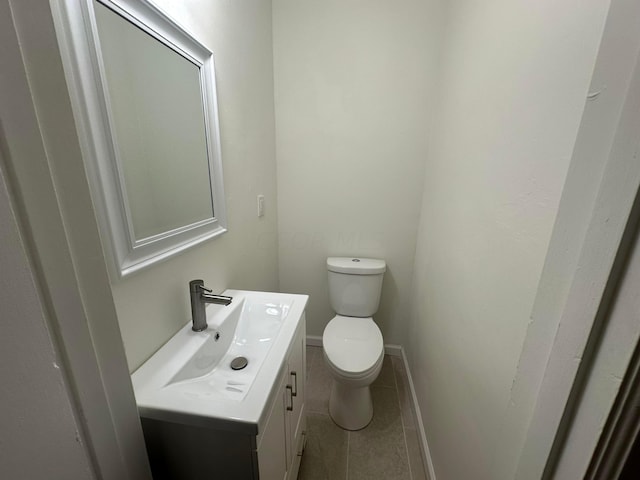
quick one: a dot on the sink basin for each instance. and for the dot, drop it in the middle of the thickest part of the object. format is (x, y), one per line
(246, 328)
(190, 379)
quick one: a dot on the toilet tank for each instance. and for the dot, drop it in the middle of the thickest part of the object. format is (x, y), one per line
(355, 285)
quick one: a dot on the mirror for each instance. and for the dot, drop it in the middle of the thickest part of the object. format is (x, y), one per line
(156, 103)
(146, 105)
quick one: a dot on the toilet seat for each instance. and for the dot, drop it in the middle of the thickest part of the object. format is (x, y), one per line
(353, 346)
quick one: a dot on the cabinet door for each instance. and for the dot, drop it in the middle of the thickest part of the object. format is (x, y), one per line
(272, 457)
(296, 371)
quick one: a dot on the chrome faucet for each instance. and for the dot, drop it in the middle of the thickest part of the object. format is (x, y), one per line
(200, 296)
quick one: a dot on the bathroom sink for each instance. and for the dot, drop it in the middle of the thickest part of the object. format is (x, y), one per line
(246, 329)
(190, 379)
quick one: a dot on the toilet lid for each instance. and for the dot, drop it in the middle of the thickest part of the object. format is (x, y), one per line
(352, 344)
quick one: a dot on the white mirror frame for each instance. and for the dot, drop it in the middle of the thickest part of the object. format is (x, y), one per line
(76, 29)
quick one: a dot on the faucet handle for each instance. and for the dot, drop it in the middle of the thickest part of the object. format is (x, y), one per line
(196, 285)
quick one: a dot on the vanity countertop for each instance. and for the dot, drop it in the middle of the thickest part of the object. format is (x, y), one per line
(159, 396)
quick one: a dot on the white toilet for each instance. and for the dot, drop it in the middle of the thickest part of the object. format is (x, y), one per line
(352, 342)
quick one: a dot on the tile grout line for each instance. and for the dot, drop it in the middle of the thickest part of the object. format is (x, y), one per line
(404, 431)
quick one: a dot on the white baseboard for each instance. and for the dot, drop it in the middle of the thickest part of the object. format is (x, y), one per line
(398, 351)
(426, 454)
(314, 340)
(393, 350)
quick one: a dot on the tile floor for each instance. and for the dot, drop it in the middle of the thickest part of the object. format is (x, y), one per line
(387, 449)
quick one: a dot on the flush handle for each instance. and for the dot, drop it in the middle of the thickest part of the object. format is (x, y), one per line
(294, 391)
(290, 407)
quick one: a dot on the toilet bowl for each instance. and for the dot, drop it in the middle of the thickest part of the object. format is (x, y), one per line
(353, 352)
(352, 342)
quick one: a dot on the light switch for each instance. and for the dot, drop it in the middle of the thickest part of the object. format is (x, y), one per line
(260, 205)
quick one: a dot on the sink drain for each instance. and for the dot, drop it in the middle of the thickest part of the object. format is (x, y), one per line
(239, 363)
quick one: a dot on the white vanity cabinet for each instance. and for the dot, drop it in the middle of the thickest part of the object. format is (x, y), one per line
(189, 448)
(281, 442)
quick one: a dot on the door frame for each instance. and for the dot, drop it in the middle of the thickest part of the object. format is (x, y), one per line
(49, 189)
(611, 120)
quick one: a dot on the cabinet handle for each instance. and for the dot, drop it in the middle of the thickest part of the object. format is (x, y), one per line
(294, 392)
(290, 388)
(303, 443)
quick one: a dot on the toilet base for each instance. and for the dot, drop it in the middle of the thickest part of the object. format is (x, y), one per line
(351, 408)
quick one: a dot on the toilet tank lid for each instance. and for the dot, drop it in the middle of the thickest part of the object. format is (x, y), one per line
(356, 265)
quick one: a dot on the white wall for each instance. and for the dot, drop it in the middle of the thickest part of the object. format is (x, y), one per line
(47, 180)
(512, 90)
(568, 258)
(352, 94)
(153, 304)
(620, 332)
(40, 435)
